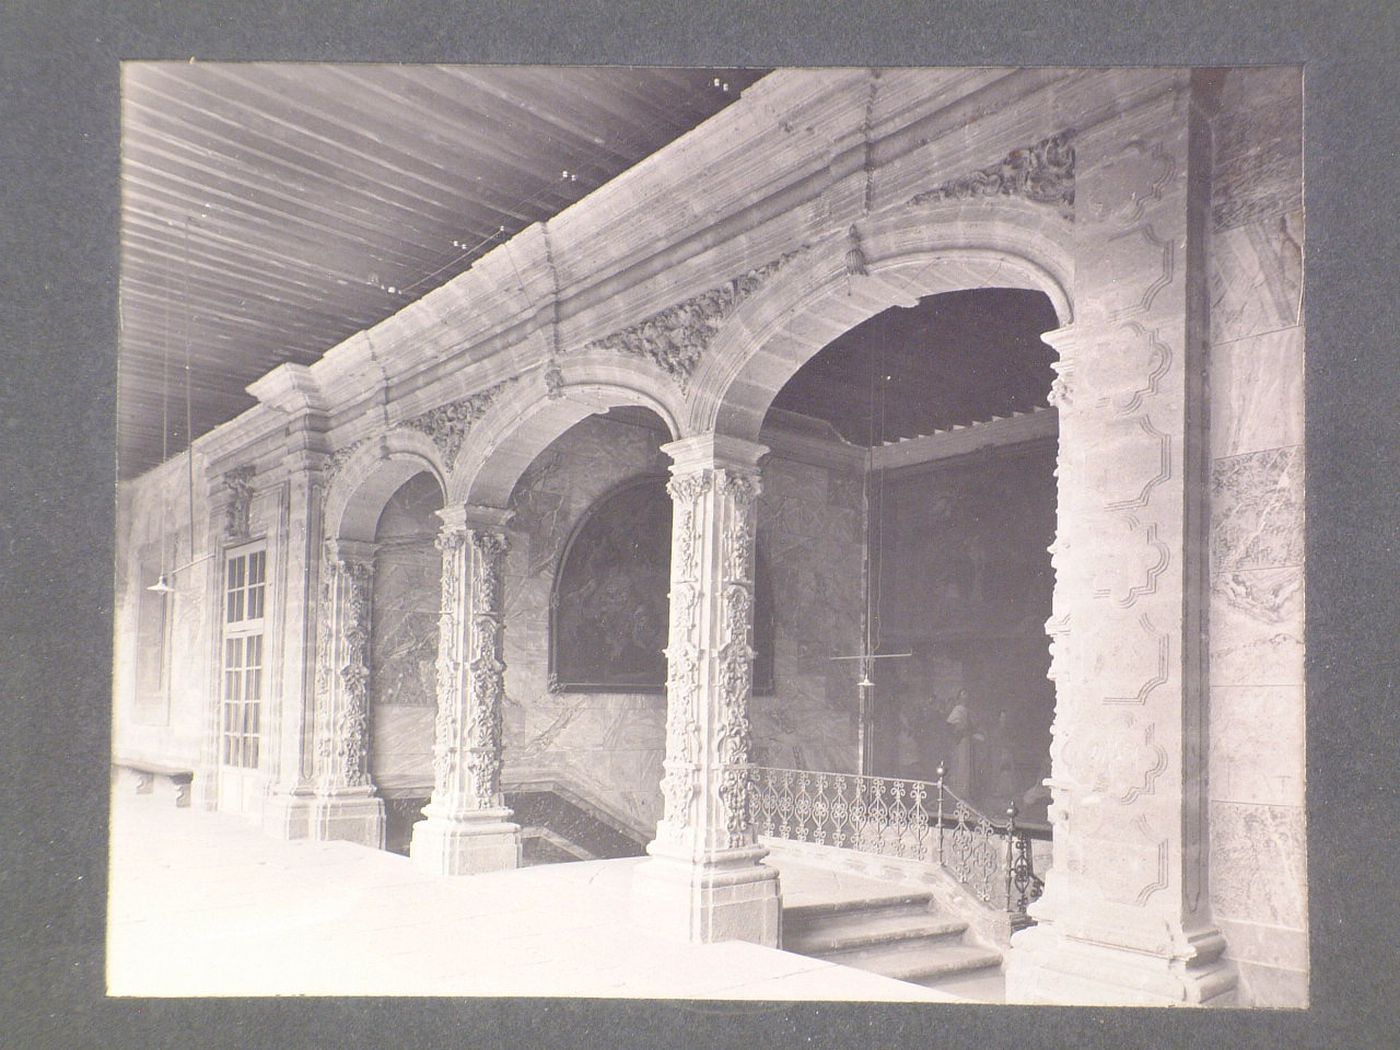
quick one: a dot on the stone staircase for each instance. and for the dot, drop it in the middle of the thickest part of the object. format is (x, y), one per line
(901, 935)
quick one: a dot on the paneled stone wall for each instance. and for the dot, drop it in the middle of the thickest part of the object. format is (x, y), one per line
(1258, 846)
(153, 528)
(609, 746)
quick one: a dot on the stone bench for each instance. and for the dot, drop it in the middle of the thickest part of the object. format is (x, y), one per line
(144, 776)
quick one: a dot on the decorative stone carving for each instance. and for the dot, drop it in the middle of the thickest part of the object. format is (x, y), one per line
(710, 655)
(677, 337)
(239, 482)
(340, 457)
(1042, 173)
(704, 880)
(553, 382)
(448, 424)
(449, 541)
(342, 672)
(680, 783)
(486, 694)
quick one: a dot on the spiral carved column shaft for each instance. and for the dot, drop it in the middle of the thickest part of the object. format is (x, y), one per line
(705, 882)
(346, 807)
(467, 826)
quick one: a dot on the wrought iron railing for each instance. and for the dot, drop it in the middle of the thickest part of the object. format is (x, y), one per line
(909, 819)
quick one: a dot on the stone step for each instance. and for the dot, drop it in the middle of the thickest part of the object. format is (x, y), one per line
(806, 916)
(868, 929)
(929, 965)
(985, 985)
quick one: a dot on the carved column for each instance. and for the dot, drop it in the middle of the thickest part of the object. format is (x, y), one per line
(1125, 914)
(346, 806)
(467, 826)
(704, 881)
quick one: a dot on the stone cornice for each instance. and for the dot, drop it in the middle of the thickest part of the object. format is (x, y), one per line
(290, 388)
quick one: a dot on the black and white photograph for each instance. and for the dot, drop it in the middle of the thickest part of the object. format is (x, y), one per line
(746, 533)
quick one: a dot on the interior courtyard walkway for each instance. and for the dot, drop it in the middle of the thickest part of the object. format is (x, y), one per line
(203, 904)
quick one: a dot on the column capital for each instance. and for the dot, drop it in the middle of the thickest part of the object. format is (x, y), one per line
(462, 516)
(713, 451)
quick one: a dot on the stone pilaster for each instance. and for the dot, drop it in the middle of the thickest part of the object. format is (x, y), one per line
(704, 881)
(290, 733)
(467, 827)
(1125, 915)
(346, 805)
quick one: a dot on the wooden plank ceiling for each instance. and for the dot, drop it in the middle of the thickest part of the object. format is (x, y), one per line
(271, 210)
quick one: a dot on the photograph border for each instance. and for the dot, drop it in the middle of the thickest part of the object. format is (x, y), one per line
(61, 75)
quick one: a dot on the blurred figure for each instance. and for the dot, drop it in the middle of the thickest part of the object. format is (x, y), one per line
(1001, 762)
(959, 778)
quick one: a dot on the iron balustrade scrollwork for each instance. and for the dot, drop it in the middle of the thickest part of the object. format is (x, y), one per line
(908, 819)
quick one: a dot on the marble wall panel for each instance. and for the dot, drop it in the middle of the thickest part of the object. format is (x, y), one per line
(401, 746)
(405, 603)
(1258, 854)
(1256, 278)
(404, 623)
(1256, 614)
(1256, 747)
(1258, 136)
(1256, 627)
(1257, 510)
(1272, 946)
(1256, 393)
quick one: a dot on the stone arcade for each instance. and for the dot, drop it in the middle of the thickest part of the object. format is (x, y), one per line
(425, 475)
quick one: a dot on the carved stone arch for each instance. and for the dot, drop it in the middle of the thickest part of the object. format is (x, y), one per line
(521, 423)
(903, 256)
(371, 475)
(605, 380)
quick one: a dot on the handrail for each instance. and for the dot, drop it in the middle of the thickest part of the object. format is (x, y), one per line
(910, 819)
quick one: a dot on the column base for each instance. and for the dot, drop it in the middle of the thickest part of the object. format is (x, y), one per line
(486, 841)
(724, 896)
(289, 816)
(349, 818)
(1045, 966)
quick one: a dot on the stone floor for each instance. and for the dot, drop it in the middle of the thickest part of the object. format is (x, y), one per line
(205, 904)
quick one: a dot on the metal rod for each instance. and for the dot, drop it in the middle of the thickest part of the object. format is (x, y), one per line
(941, 771)
(1010, 849)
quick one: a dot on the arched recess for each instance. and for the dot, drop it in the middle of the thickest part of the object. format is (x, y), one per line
(371, 475)
(905, 256)
(525, 419)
